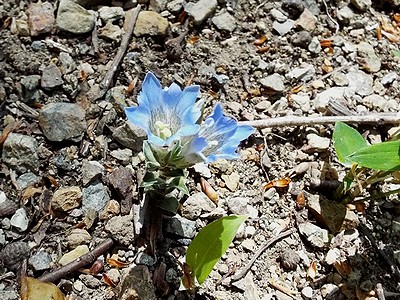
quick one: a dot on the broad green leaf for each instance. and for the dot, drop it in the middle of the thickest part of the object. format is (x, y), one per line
(210, 244)
(346, 141)
(383, 156)
(396, 53)
(179, 183)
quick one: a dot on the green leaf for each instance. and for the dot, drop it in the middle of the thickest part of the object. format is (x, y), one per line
(346, 141)
(383, 156)
(396, 53)
(210, 244)
(180, 184)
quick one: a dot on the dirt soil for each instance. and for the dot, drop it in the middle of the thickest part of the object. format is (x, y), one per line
(70, 174)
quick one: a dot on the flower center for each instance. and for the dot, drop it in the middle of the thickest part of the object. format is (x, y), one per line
(163, 130)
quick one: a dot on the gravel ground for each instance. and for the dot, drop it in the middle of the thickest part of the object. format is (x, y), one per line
(71, 164)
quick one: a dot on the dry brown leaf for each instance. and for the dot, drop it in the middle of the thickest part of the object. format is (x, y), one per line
(209, 190)
(300, 201)
(107, 280)
(312, 270)
(7, 130)
(343, 268)
(34, 289)
(262, 49)
(379, 32)
(260, 41)
(193, 39)
(116, 263)
(326, 43)
(131, 86)
(279, 183)
(96, 267)
(297, 89)
(29, 192)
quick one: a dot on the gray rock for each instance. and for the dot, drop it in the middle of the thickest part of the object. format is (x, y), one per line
(273, 82)
(369, 60)
(91, 170)
(375, 102)
(158, 5)
(30, 85)
(307, 292)
(314, 46)
(322, 99)
(40, 261)
(302, 101)
(329, 291)
(315, 143)
(13, 253)
(181, 227)
(283, 28)
(20, 220)
(27, 179)
(345, 15)
(110, 32)
(130, 136)
(238, 205)
(317, 236)
(78, 237)
(150, 23)
(20, 152)
(224, 22)
(301, 39)
(201, 10)
(278, 15)
(121, 229)
(72, 17)
(304, 72)
(175, 6)
(361, 5)
(62, 121)
(312, 6)
(360, 82)
(307, 21)
(95, 196)
(123, 155)
(111, 14)
(144, 259)
(90, 281)
(389, 78)
(68, 64)
(51, 77)
(196, 205)
(293, 7)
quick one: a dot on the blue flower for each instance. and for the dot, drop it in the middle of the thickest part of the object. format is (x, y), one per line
(165, 114)
(218, 137)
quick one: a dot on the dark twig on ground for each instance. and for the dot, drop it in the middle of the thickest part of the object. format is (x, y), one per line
(131, 17)
(282, 235)
(373, 119)
(78, 263)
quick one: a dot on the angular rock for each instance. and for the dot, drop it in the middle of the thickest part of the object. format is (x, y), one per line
(273, 82)
(121, 229)
(361, 5)
(62, 121)
(201, 10)
(130, 136)
(314, 46)
(30, 86)
(175, 6)
(68, 64)
(196, 205)
(316, 143)
(20, 152)
(51, 77)
(331, 94)
(360, 82)
(95, 196)
(72, 17)
(283, 28)
(74, 254)
(27, 179)
(111, 14)
(301, 39)
(293, 7)
(20, 220)
(389, 78)
(110, 32)
(345, 15)
(305, 72)
(369, 60)
(158, 5)
(91, 170)
(78, 237)
(224, 22)
(375, 102)
(232, 180)
(150, 23)
(67, 198)
(111, 209)
(306, 21)
(278, 15)
(40, 261)
(317, 237)
(41, 17)
(123, 155)
(181, 227)
(13, 253)
(121, 180)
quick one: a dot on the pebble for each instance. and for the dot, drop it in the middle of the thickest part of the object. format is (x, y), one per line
(111, 209)
(51, 77)
(20, 220)
(145, 259)
(302, 101)
(375, 102)
(158, 5)
(20, 27)
(307, 21)
(62, 121)
(77, 237)
(322, 99)
(67, 198)
(40, 261)
(329, 291)
(91, 170)
(293, 7)
(114, 275)
(13, 253)
(307, 292)
(317, 236)
(195, 205)
(111, 14)
(360, 82)
(150, 23)
(20, 152)
(121, 229)
(305, 72)
(74, 254)
(72, 17)
(277, 15)
(273, 82)
(370, 61)
(201, 10)
(111, 32)
(389, 78)
(123, 155)
(345, 15)
(314, 46)
(90, 281)
(175, 6)
(30, 86)
(181, 226)
(130, 136)
(283, 28)
(68, 64)
(224, 22)
(289, 259)
(332, 256)
(249, 245)
(232, 181)
(41, 17)
(361, 5)
(202, 169)
(340, 79)
(301, 39)
(95, 196)
(316, 143)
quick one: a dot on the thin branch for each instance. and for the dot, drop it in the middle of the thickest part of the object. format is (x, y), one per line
(282, 235)
(131, 17)
(373, 119)
(78, 263)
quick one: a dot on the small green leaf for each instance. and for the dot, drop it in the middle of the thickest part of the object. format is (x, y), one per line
(383, 156)
(346, 141)
(179, 183)
(210, 244)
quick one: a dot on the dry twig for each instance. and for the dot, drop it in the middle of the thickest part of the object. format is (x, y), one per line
(78, 263)
(129, 24)
(282, 235)
(282, 288)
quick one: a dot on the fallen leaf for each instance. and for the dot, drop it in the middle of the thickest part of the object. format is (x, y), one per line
(300, 201)
(262, 49)
(29, 192)
(260, 41)
(193, 39)
(326, 43)
(96, 267)
(107, 280)
(312, 270)
(116, 263)
(34, 289)
(343, 268)
(279, 183)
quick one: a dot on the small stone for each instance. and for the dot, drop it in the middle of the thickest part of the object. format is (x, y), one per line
(111, 14)
(201, 10)
(74, 18)
(20, 220)
(289, 259)
(95, 196)
(305, 72)
(332, 256)
(293, 7)
(224, 22)
(110, 32)
(158, 5)
(307, 292)
(20, 27)
(203, 170)
(27, 179)
(317, 236)
(145, 259)
(369, 60)
(30, 86)
(175, 6)
(340, 79)
(78, 285)
(121, 180)
(329, 291)
(306, 21)
(41, 17)
(13, 253)
(331, 94)
(238, 205)
(111, 209)
(316, 143)
(278, 15)
(74, 254)
(389, 78)
(20, 152)
(196, 205)
(150, 23)
(90, 281)
(121, 229)
(66, 199)
(249, 245)
(232, 181)
(360, 82)
(40, 261)
(114, 275)
(361, 5)
(51, 77)
(273, 82)
(345, 15)
(301, 39)
(91, 170)
(123, 155)
(375, 102)
(130, 136)
(181, 227)
(302, 101)
(78, 237)
(62, 121)
(283, 28)
(314, 46)
(68, 64)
